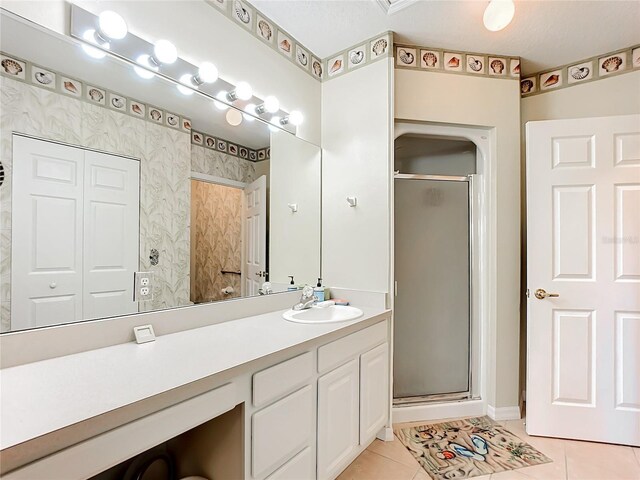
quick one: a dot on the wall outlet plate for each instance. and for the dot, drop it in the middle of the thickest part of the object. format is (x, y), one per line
(142, 286)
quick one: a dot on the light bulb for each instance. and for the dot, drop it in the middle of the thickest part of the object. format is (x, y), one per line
(222, 98)
(93, 52)
(251, 111)
(234, 117)
(165, 51)
(112, 25)
(296, 118)
(274, 123)
(186, 79)
(145, 62)
(207, 73)
(244, 91)
(498, 14)
(271, 104)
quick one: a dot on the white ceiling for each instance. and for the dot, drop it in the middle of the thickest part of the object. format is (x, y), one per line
(544, 33)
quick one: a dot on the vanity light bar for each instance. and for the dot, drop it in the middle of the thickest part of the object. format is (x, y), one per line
(131, 47)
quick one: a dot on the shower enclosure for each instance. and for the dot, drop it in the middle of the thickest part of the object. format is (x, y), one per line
(432, 333)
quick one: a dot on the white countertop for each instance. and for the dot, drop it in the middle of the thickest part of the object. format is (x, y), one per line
(42, 397)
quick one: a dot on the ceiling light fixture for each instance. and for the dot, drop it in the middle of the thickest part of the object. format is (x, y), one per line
(234, 117)
(271, 105)
(498, 14)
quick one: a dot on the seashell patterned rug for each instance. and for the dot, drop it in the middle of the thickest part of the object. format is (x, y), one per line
(468, 448)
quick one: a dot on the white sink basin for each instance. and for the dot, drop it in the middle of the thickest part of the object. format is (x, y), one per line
(332, 314)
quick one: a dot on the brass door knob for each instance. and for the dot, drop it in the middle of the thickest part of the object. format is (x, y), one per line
(541, 294)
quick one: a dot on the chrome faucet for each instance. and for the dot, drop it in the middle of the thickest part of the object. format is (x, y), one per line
(307, 300)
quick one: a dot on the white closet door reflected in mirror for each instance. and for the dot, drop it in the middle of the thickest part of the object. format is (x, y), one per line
(75, 245)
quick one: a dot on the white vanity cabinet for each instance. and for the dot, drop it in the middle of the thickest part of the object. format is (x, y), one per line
(338, 436)
(283, 425)
(353, 399)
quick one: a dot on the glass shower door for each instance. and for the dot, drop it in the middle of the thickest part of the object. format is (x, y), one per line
(432, 273)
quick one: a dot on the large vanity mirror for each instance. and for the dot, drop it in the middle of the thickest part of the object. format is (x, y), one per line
(125, 192)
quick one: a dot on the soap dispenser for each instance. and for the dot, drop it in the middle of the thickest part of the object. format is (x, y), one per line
(320, 292)
(292, 285)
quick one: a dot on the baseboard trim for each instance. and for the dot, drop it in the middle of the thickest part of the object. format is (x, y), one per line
(503, 413)
(439, 411)
(385, 434)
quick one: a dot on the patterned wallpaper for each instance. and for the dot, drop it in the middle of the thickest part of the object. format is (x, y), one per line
(219, 164)
(216, 240)
(165, 159)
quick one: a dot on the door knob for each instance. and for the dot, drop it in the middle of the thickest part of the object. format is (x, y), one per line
(541, 294)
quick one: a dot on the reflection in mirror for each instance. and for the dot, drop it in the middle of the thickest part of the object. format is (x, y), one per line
(125, 194)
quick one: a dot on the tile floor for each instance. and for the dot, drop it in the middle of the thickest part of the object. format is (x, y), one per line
(572, 460)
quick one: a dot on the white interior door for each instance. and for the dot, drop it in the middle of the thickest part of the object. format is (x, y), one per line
(75, 234)
(46, 258)
(255, 236)
(112, 233)
(583, 207)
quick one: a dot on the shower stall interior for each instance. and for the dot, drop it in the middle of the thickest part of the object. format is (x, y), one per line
(433, 187)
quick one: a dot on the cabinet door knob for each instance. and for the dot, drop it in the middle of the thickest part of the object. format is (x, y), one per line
(53, 285)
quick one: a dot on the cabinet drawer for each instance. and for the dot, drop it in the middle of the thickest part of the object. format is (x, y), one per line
(276, 381)
(336, 353)
(281, 430)
(299, 467)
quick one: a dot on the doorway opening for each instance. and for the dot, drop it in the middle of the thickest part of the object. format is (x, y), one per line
(441, 282)
(433, 250)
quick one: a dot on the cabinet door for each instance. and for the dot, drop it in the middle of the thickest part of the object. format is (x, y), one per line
(337, 419)
(374, 391)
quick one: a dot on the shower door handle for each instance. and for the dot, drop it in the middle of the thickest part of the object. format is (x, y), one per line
(541, 294)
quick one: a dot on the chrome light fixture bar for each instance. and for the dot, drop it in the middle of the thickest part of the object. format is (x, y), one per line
(204, 79)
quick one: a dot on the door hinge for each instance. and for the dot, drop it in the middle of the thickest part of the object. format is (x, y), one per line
(527, 293)
(395, 288)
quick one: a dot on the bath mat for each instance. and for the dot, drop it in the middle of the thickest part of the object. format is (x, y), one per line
(468, 448)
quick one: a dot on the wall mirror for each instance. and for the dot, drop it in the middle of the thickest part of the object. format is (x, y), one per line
(124, 192)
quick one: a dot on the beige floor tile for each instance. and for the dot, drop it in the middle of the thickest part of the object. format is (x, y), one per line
(599, 461)
(637, 453)
(422, 475)
(371, 466)
(394, 450)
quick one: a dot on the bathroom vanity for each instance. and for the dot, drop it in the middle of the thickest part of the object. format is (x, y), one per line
(311, 397)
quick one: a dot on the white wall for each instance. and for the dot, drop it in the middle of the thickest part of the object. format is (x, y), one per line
(201, 33)
(294, 238)
(467, 100)
(356, 143)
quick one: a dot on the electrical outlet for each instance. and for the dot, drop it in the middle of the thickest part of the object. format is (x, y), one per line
(142, 286)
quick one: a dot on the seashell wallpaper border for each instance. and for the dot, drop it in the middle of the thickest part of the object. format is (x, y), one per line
(266, 30)
(218, 144)
(587, 70)
(358, 55)
(24, 71)
(49, 79)
(441, 60)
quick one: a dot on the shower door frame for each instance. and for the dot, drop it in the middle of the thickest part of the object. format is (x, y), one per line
(484, 270)
(468, 394)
